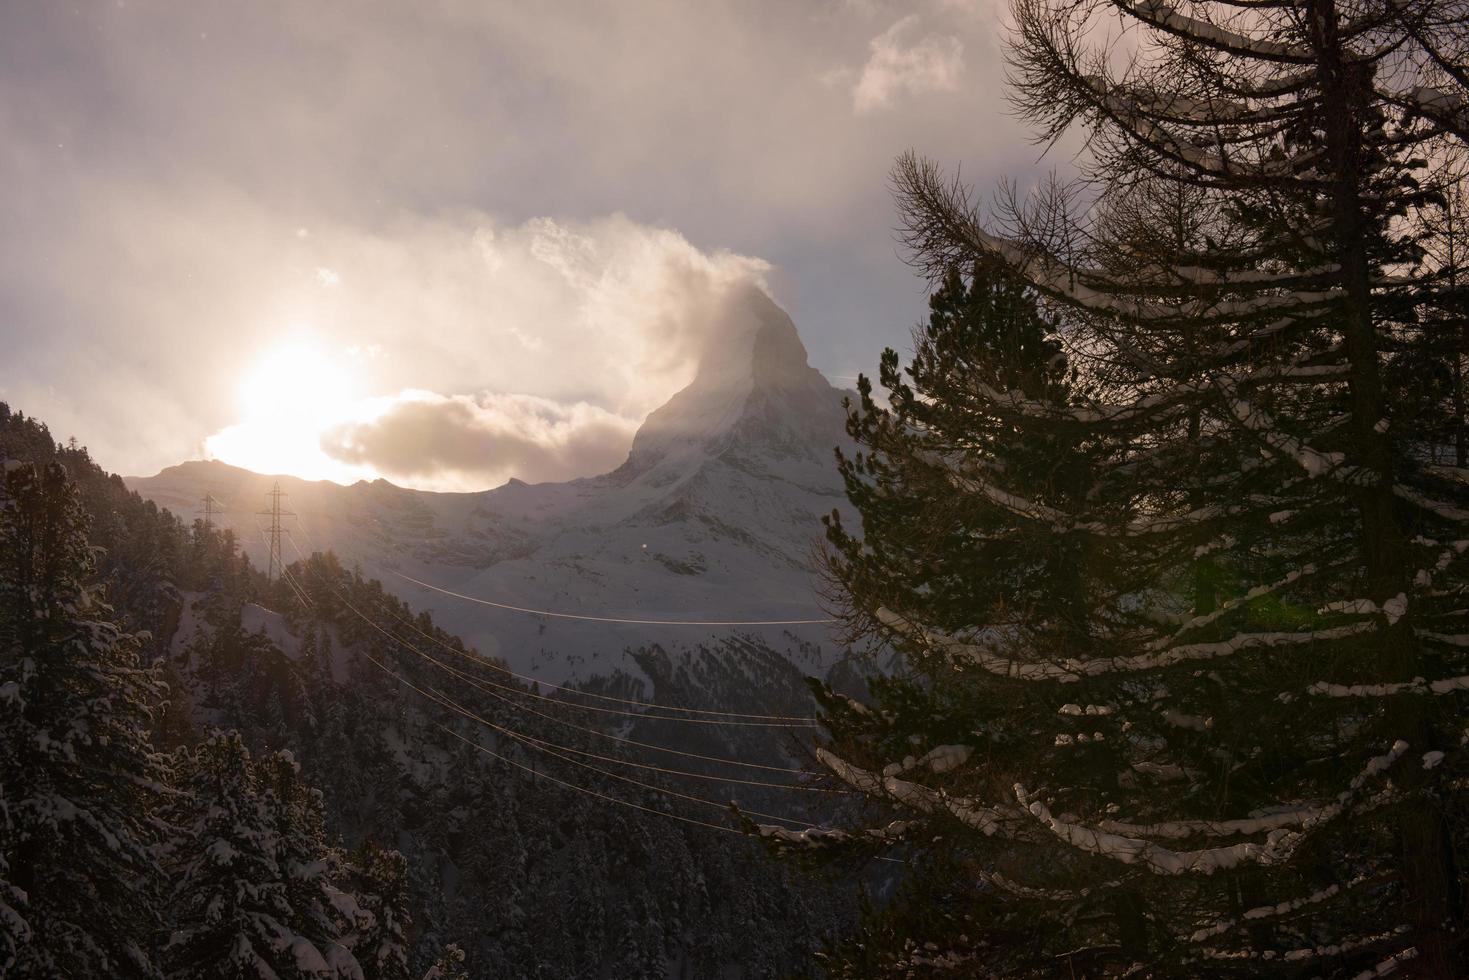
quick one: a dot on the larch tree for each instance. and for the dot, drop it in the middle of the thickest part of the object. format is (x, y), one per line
(1228, 739)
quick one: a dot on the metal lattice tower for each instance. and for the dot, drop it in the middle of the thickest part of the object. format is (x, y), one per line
(276, 564)
(208, 510)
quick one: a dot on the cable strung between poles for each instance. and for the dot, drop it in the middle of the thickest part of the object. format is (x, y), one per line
(608, 735)
(622, 762)
(484, 686)
(537, 774)
(443, 701)
(554, 750)
(614, 619)
(571, 690)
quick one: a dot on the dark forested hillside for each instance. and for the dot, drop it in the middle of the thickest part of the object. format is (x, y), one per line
(324, 711)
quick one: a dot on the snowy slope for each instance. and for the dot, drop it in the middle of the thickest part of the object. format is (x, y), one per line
(712, 517)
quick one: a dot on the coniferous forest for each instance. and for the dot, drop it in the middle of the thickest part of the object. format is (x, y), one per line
(1154, 564)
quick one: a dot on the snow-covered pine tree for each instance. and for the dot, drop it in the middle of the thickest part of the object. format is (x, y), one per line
(1251, 758)
(79, 775)
(15, 931)
(326, 915)
(228, 907)
(380, 881)
(449, 965)
(252, 895)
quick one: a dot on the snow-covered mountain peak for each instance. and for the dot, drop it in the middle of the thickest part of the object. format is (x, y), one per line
(754, 388)
(712, 518)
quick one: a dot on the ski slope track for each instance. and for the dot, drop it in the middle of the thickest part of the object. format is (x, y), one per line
(713, 516)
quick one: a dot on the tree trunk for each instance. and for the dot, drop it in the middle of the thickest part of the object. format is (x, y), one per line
(1425, 857)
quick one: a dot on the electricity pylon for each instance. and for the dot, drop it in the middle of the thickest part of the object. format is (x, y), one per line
(275, 566)
(208, 511)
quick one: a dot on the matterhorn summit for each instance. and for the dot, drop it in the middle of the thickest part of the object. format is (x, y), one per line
(754, 392)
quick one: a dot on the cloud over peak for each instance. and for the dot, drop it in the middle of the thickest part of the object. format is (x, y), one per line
(569, 333)
(475, 441)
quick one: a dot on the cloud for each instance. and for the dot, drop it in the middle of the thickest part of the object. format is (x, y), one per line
(470, 442)
(570, 331)
(190, 185)
(900, 65)
(611, 311)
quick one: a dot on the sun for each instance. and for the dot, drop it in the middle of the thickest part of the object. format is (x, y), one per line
(293, 392)
(299, 381)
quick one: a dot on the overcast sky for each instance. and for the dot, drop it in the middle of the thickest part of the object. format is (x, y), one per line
(465, 216)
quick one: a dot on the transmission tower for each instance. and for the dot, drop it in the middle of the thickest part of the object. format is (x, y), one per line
(208, 510)
(274, 567)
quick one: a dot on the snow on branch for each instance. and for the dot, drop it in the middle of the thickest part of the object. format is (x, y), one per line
(1389, 966)
(1424, 576)
(999, 881)
(1231, 604)
(820, 837)
(1301, 954)
(1181, 829)
(858, 779)
(1445, 108)
(1014, 503)
(1176, 107)
(1154, 857)
(1098, 292)
(1128, 843)
(1270, 911)
(1163, 16)
(1062, 522)
(1313, 461)
(1155, 403)
(1447, 511)
(1096, 412)
(1417, 685)
(988, 820)
(1263, 333)
(1069, 670)
(939, 760)
(974, 653)
(1121, 105)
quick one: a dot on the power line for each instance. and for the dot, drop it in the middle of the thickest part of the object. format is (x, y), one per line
(542, 746)
(472, 681)
(481, 686)
(644, 716)
(673, 772)
(551, 748)
(446, 702)
(288, 578)
(618, 738)
(614, 619)
(805, 719)
(536, 774)
(571, 690)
